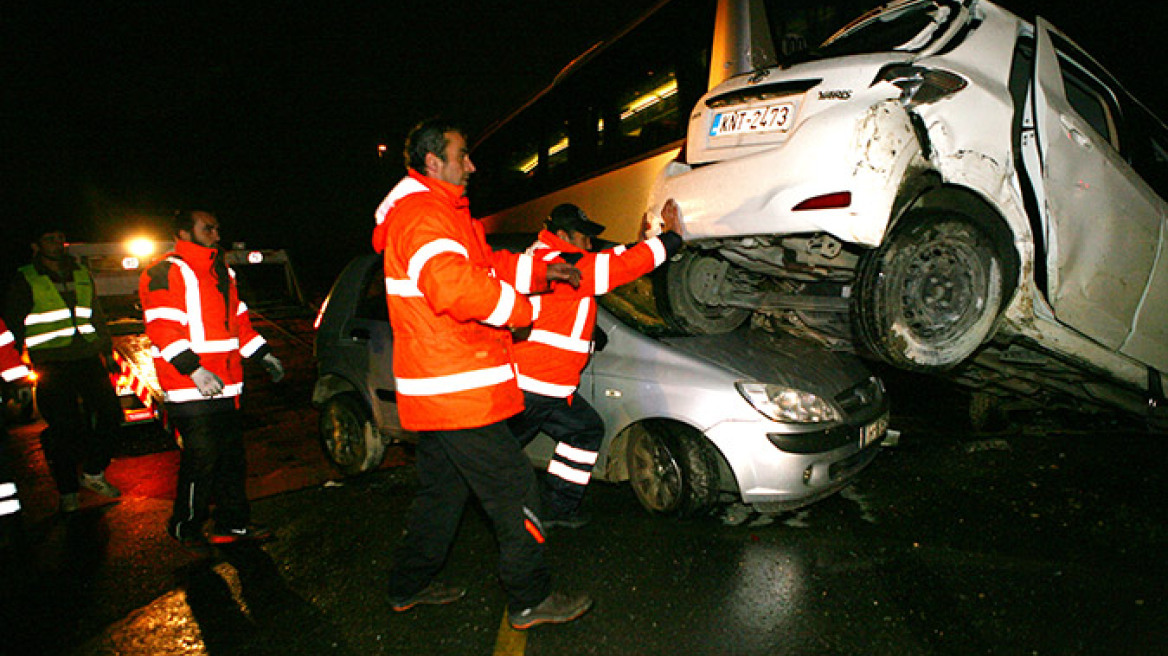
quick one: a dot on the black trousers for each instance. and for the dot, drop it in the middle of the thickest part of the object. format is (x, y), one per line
(451, 465)
(578, 431)
(213, 469)
(81, 408)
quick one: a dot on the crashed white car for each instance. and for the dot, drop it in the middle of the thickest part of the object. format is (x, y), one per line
(945, 186)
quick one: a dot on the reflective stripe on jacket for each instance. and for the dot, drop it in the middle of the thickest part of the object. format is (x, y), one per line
(556, 351)
(11, 366)
(193, 324)
(451, 299)
(51, 323)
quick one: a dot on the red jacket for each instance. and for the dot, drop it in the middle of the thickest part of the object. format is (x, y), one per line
(195, 319)
(552, 357)
(12, 368)
(451, 299)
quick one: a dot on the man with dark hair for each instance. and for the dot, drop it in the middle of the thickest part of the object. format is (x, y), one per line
(550, 360)
(53, 310)
(201, 333)
(451, 301)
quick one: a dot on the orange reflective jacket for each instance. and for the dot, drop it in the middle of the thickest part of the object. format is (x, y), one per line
(11, 366)
(451, 301)
(552, 357)
(194, 321)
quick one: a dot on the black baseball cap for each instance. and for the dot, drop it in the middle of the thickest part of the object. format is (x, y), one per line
(570, 218)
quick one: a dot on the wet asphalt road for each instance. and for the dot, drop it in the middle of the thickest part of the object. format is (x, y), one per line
(1045, 539)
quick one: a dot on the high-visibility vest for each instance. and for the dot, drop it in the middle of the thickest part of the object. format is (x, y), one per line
(557, 349)
(11, 366)
(190, 319)
(451, 300)
(52, 323)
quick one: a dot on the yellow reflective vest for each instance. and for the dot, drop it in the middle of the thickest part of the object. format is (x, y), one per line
(52, 323)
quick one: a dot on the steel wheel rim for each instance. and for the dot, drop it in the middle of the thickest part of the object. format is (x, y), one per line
(943, 289)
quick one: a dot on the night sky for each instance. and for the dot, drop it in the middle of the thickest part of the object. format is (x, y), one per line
(114, 113)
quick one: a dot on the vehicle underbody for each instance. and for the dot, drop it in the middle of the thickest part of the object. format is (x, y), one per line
(804, 285)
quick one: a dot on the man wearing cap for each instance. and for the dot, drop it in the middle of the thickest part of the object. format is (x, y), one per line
(52, 309)
(550, 360)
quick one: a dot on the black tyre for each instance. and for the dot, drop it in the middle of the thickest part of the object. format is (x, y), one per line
(673, 471)
(350, 440)
(685, 286)
(931, 294)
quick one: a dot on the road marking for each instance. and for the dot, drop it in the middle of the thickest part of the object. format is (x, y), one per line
(510, 642)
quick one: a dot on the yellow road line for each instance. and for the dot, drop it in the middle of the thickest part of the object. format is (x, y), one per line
(510, 642)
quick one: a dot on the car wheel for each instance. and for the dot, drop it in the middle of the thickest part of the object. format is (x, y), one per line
(350, 440)
(672, 471)
(690, 281)
(930, 295)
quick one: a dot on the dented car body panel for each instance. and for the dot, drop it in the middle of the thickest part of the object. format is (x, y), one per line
(974, 117)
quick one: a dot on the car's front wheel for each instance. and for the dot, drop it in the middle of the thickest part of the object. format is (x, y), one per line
(673, 470)
(350, 440)
(930, 295)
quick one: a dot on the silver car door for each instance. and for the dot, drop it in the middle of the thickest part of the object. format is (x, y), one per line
(1103, 232)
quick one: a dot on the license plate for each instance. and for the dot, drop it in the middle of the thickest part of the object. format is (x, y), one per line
(873, 431)
(754, 120)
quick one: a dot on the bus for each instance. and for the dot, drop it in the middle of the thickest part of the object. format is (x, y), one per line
(613, 119)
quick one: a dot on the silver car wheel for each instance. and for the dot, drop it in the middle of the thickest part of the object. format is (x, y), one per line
(348, 437)
(673, 470)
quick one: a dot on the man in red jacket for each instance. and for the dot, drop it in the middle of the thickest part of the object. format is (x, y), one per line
(201, 333)
(451, 302)
(561, 340)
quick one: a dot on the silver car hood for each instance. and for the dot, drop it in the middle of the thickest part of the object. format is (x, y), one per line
(781, 359)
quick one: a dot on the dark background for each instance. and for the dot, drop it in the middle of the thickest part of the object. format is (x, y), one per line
(114, 113)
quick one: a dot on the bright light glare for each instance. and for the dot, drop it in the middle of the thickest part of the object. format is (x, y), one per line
(130, 263)
(141, 247)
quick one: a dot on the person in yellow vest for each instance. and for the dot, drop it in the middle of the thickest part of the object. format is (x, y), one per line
(52, 310)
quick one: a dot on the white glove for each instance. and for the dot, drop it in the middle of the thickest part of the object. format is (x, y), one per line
(208, 383)
(274, 367)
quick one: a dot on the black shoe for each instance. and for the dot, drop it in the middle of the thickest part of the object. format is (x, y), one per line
(249, 533)
(556, 609)
(578, 519)
(434, 594)
(191, 540)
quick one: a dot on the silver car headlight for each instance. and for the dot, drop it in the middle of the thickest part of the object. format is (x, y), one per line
(787, 404)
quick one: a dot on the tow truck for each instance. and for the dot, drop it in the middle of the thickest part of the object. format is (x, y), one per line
(266, 281)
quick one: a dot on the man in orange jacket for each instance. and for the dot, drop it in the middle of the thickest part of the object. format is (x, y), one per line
(561, 340)
(201, 332)
(451, 302)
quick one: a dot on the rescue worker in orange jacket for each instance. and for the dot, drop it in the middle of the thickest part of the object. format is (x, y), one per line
(12, 370)
(451, 302)
(561, 340)
(201, 332)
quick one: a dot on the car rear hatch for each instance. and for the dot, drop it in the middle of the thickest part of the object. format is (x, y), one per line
(762, 110)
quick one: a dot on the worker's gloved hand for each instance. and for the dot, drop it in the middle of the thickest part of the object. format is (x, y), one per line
(208, 383)
(274, 367)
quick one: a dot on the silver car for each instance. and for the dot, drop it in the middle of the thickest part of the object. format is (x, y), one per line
(691, 421)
